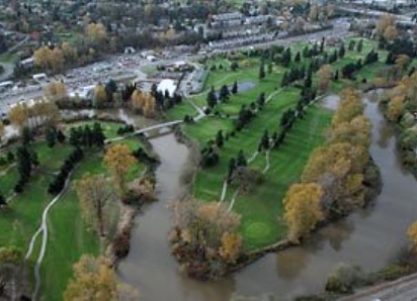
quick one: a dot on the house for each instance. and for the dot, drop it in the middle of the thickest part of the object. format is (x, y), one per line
(40, 77)
(27, 63)
(167, 85)
(129, 50)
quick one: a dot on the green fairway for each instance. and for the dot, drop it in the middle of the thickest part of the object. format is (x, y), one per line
(261, 209)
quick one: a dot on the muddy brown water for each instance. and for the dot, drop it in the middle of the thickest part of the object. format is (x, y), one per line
(370, 238)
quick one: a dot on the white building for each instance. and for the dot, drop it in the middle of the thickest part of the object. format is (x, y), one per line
(167, 85)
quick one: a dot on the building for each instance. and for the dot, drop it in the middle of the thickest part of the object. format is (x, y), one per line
(167, 85)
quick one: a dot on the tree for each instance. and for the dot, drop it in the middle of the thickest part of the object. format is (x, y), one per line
(119, 159)
(211, 98)
(2, 130)
(95, 280)
(241, 159)
(96, 34)
(94, 194)
(204, 224)
(324, 74)
(219, 139)
(235, 88)
(2, 200)
(297, 57)
(359, 46)
(138, 100)
(224, 93)
(100, 95)
(270, 68)
(149, 106)
(350, 106)
(262, 70)
(69, 52)
(384, 22)
(356, 131)
(264, 144)
(396, 108)
(41, 57)
(56, 60)
(51, 136)
(56, 91)
(231, 168)
(390, 33)
(49, 59)
(303, 209)
(412, 235)
(314, 13)
(402, 61)
(231, 244)
(348, 70)
(24, 163)
(342, 51)
(18, 115)
(27, 136)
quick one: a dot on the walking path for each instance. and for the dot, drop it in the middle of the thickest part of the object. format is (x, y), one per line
(43, 230)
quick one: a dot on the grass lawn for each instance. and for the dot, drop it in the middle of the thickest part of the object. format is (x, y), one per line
(69, 237)
(261, 208)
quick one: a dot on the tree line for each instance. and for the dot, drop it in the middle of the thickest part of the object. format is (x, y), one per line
(337, 177)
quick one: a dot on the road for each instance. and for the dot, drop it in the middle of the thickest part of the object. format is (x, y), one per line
(403, 289)
(78, 75)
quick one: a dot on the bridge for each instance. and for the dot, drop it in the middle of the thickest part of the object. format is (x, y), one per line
(145, 130)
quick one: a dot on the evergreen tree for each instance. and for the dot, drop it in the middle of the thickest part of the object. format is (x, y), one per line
(342, 51)
(264, 144)
(219, 139)
(51, 136)
(270, 68)
(322, 43)
(286, 57)
(235, 88)
(351, 46)
(261, 99)
(24, 163)
(27, 135)
(262, 71)
(241, 159)
(224, 93)
(211, 98)
(231, 169)
(2, 200)
(336, 75)
(308, 81)
(60, 136)
(75, 137)
(359, 47)
(98, 135)
(284, 81)
(297, 58)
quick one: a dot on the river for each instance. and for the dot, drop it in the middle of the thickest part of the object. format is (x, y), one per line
(370, 237)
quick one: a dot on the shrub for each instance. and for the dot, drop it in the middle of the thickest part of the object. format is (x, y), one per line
(343, 279)
(10, 255)
(121, 243)
(393, 271)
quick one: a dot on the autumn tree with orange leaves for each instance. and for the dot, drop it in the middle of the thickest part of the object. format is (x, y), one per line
(303, 209)
(119, 160)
